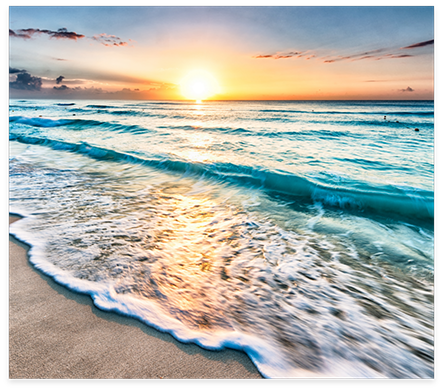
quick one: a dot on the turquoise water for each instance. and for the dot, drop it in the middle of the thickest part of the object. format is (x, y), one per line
(299, 232)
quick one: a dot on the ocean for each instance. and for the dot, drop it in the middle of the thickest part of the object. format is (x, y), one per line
(300, 232)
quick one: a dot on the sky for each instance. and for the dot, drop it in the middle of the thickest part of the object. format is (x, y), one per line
(232, 53)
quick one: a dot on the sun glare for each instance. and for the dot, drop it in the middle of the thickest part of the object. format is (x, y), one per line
(199, 85)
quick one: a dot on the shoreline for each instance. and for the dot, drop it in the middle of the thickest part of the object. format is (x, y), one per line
(55, 333)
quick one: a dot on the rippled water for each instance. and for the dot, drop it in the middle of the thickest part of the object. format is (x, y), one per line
(299, 232)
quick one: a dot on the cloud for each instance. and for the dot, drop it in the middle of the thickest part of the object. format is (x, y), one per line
(398, 55)
(109, 40)
(12, 33)
(376, 55)
(279, 56)
(59, 79)
(61, 88)
(409, 89)
(61, 33)
(382, 54)
(372, 54)
(25, 81)
(420, 44)
(15, 70)
(369, 56)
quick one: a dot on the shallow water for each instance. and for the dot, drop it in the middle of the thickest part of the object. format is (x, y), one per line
(299, 232)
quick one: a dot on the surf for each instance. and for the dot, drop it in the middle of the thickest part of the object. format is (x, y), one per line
(390, 201)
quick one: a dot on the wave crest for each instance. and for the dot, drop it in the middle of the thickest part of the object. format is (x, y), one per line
(389, 200)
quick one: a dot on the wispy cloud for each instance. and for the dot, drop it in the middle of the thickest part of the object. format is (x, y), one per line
(420, 44)
(290, 54)
(61, 33)
(399, 55)
(375, 55)
(264, 56)
(109, 40)
(372, 54)
(379, 54)
(18, 34)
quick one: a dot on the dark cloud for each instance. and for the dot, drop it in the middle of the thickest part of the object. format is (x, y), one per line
(420, 44)
(59, 79)
(62, 33)
(25, 81)
(409, 89)
(61, 88)
(109, 40)
(15, 70)
(18, 35)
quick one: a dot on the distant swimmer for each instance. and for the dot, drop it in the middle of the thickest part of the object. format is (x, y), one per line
(417, 129)
(385, 117)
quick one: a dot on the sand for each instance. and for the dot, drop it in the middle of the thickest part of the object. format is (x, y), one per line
(55, 333)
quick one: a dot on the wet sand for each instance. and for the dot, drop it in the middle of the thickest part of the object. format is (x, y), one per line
(55, 333)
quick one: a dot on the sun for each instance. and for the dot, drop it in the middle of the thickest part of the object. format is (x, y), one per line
(199, 85)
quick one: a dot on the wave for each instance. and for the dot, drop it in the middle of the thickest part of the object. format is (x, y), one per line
(209, 129)
(77, 124)
(388, 200)
(31, 107)
(105, 297)
(383, 113)
(101, 106)
(140, 112)
(40, 122)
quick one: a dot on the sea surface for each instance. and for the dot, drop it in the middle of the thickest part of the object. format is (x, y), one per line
(300, 232)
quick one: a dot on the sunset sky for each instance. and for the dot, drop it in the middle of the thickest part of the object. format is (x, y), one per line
(249, 52)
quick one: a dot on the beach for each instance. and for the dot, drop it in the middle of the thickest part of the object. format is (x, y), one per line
(55, 333)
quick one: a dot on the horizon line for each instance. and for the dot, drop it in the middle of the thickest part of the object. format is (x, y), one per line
(233, 100)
